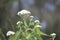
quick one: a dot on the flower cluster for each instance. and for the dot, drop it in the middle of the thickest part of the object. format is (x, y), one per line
(53, 34)
(10, 33)
(23, 12)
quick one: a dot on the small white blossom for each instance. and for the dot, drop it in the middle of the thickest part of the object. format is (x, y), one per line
(38, 26)
(36, 21)
(31, 16)
(10, 33)
(18, 22)
(53, 34)
(23, 12)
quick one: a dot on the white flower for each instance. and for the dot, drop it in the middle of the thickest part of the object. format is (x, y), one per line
(53, 34)
(31, 16)
(36, 21)
(18, 22)
(38, 26)
(10, 33)
(23, 12)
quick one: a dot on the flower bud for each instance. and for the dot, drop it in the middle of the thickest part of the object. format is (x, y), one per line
(37, 21)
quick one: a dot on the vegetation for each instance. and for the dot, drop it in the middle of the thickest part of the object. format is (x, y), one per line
(28, 29)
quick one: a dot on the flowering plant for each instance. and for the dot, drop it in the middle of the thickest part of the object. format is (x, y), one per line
(28, 29)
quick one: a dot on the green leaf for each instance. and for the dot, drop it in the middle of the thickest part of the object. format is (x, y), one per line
(2, 36)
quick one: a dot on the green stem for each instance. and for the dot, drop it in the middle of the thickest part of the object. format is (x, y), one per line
(25, 23)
